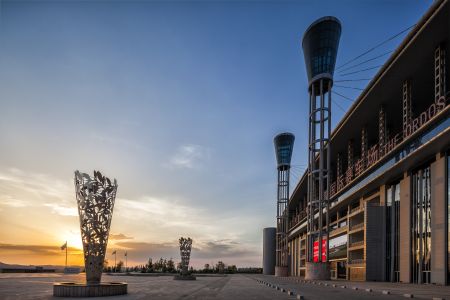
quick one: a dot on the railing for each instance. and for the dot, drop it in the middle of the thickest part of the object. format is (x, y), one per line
(354, 244)
(356, 261)
(297, 218)
(357, 226)
(338, 230)
(355, 209)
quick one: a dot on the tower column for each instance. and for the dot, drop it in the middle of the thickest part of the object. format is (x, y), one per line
(284, 144)
(320, 44)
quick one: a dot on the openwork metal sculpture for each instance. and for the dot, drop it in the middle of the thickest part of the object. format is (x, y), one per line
(185, 252)
(95, 198)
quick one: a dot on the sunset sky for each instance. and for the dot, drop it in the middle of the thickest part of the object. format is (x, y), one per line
(178, 100)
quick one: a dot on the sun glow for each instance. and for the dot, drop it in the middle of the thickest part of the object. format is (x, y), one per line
(73, 239)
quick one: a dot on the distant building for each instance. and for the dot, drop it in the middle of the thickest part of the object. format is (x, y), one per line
(389, 212)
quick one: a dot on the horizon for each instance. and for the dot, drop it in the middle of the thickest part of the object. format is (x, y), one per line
(179, 101)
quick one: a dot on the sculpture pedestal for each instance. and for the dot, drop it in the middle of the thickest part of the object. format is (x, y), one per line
(184, 277)
(72, 289)
(281, 271)
(317, 271)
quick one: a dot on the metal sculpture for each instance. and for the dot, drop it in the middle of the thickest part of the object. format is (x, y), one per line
(185, 252)
(95, 199)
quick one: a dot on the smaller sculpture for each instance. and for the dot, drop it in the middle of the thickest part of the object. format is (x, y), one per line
(185, 252)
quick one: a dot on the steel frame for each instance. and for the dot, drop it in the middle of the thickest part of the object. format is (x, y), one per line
(282, 216)
(319, 165)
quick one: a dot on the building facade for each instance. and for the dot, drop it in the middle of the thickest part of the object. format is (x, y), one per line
(389, 208)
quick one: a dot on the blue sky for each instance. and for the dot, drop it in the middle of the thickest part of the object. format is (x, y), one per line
(178, 100)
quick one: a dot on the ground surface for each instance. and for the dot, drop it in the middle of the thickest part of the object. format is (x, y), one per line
(235, 287)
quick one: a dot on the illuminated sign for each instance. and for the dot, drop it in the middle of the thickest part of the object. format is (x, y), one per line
(316, 250)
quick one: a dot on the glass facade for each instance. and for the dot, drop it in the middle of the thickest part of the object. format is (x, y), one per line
(284, 144)
(393, 233)
(421, 226)
(320, 45)
(448, 217)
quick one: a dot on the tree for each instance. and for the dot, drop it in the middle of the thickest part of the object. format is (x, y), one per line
(232, 269)
(119, 266)
(105, 265)
(206, 268)
(170, 266)
(220, 267)
(149, 266)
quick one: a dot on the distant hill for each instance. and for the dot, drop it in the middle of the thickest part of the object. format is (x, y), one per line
(15, 266)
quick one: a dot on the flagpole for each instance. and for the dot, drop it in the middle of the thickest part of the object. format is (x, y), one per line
(66, 254)
(115, 263)
(126, 264)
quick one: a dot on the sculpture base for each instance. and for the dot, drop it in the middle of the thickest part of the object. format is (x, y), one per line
(317, 271)
(184, 277)
(281, 271)
(72, 289)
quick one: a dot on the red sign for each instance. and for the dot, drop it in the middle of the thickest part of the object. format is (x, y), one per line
(316, 250)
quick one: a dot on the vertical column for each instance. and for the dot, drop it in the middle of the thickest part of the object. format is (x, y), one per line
(339, 165)
(405, 228)
(350, 153)
(364, 146)
(439, 73)
(438, 220)
(407, 110)
(382, 137)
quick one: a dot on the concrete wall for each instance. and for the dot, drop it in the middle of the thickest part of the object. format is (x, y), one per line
(405, 228)
(269, 250)
(438, 221)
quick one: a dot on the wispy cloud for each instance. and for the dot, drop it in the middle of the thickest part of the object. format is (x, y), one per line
(119, 237)
(202, 252)
(36, 249)
(27, 189)
(190, 156)
(62, 210)
(156, 223)
(8, 200)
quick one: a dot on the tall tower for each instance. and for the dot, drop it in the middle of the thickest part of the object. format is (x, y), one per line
(320, 45)
(284, 144)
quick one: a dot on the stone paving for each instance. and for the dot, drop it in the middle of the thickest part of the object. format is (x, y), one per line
(235, 287)
(340, 289)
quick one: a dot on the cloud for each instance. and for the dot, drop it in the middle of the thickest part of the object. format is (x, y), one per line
(155, 223)
(8, 200)
(141, 251)
(63, 210)
(223, 249)
(43, 250)
(119, 237)
(190, 156)
(203, 252)
(19, 189)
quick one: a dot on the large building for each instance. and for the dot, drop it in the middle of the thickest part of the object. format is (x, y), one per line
(389, 196)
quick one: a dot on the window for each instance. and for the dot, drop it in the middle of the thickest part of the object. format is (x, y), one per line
(393, 233)
(421, 226)
(448, 217)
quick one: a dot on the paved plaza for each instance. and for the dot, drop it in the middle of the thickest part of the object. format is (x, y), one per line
(39, 286)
